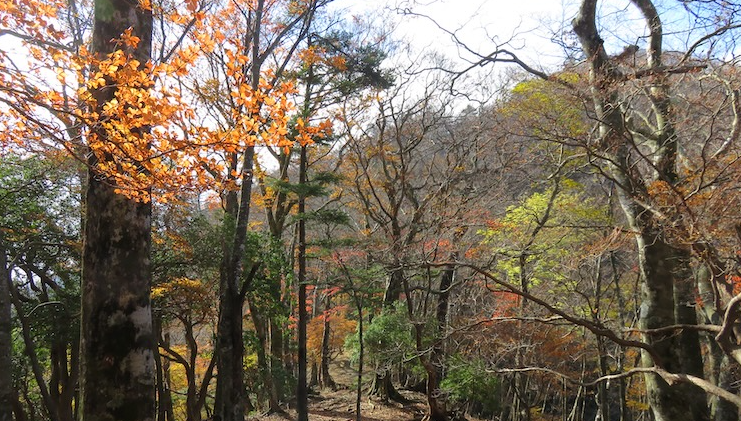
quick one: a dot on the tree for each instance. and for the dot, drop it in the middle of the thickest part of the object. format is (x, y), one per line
(185, 279)
(664, 263)
(250, 105)
(118, 343)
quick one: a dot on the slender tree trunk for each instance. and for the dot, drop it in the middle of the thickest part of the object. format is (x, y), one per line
(192, 399)
(276, 360)
(327, 380)
(63, 378)
(262, 359)
(33, 357)
(20, 414)
(625, 412)
(723, 371)
(6, 343)
(230, 398)
(361, 356)
(164, 394)
(302, 391)
(382, 385)
(433, 364)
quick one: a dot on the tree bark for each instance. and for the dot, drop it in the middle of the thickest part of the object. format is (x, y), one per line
(262, 359)
(382, 386)
(433, 364)
(302, 390)
(118, 373)
(6, 343)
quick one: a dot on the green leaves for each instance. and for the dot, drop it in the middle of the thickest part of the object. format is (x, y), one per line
(466, 381)
(545, 229)
(387, 339)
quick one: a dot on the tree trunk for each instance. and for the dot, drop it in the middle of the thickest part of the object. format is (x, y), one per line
(6, 342)
(164, 394)
(229, 404)
(667, 402)
(277, 355)
(723, 372)
(262, 359)
(118, 373)
(327, 380)
(361, 355)
(662, 267)
(230, 399)
(434, 363)
(382, 386)
(63, 378)
(302, 391)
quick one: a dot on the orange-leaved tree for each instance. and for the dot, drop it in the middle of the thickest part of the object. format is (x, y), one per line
(118, 110)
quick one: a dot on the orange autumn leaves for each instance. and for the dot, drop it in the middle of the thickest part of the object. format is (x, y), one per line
(149, 137)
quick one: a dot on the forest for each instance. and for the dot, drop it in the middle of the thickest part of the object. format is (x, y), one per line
(227, 210)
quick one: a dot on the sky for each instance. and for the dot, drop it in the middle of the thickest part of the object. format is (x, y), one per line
(530, 26)
(480, 24)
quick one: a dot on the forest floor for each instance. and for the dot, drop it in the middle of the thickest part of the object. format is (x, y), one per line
(339, 404)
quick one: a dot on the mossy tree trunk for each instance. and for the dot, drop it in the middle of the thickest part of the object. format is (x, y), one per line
(118, 367)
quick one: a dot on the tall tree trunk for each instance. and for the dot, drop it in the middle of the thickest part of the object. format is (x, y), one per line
(433, 363)
(661, 266)
(382, 385)
(277, 357)
(6, 343)
(30, 350)
(164, 394)
(118, 373)
(262, 358)
(302, 391)
(723, 371)
(361, 355)
(229, 403)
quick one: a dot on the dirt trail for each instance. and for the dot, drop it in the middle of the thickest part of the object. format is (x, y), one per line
(325, 404)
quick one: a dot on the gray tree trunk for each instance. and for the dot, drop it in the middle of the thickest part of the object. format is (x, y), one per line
(118, 368)
(664, 269)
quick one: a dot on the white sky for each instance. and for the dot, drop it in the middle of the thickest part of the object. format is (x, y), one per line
(478, 23)
(529, 24)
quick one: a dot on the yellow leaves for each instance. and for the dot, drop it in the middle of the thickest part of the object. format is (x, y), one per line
(128, 39)
(310, 55)
(340, 327)
(339, 63)
(307, 134)
(317, 55)
(131, 115)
